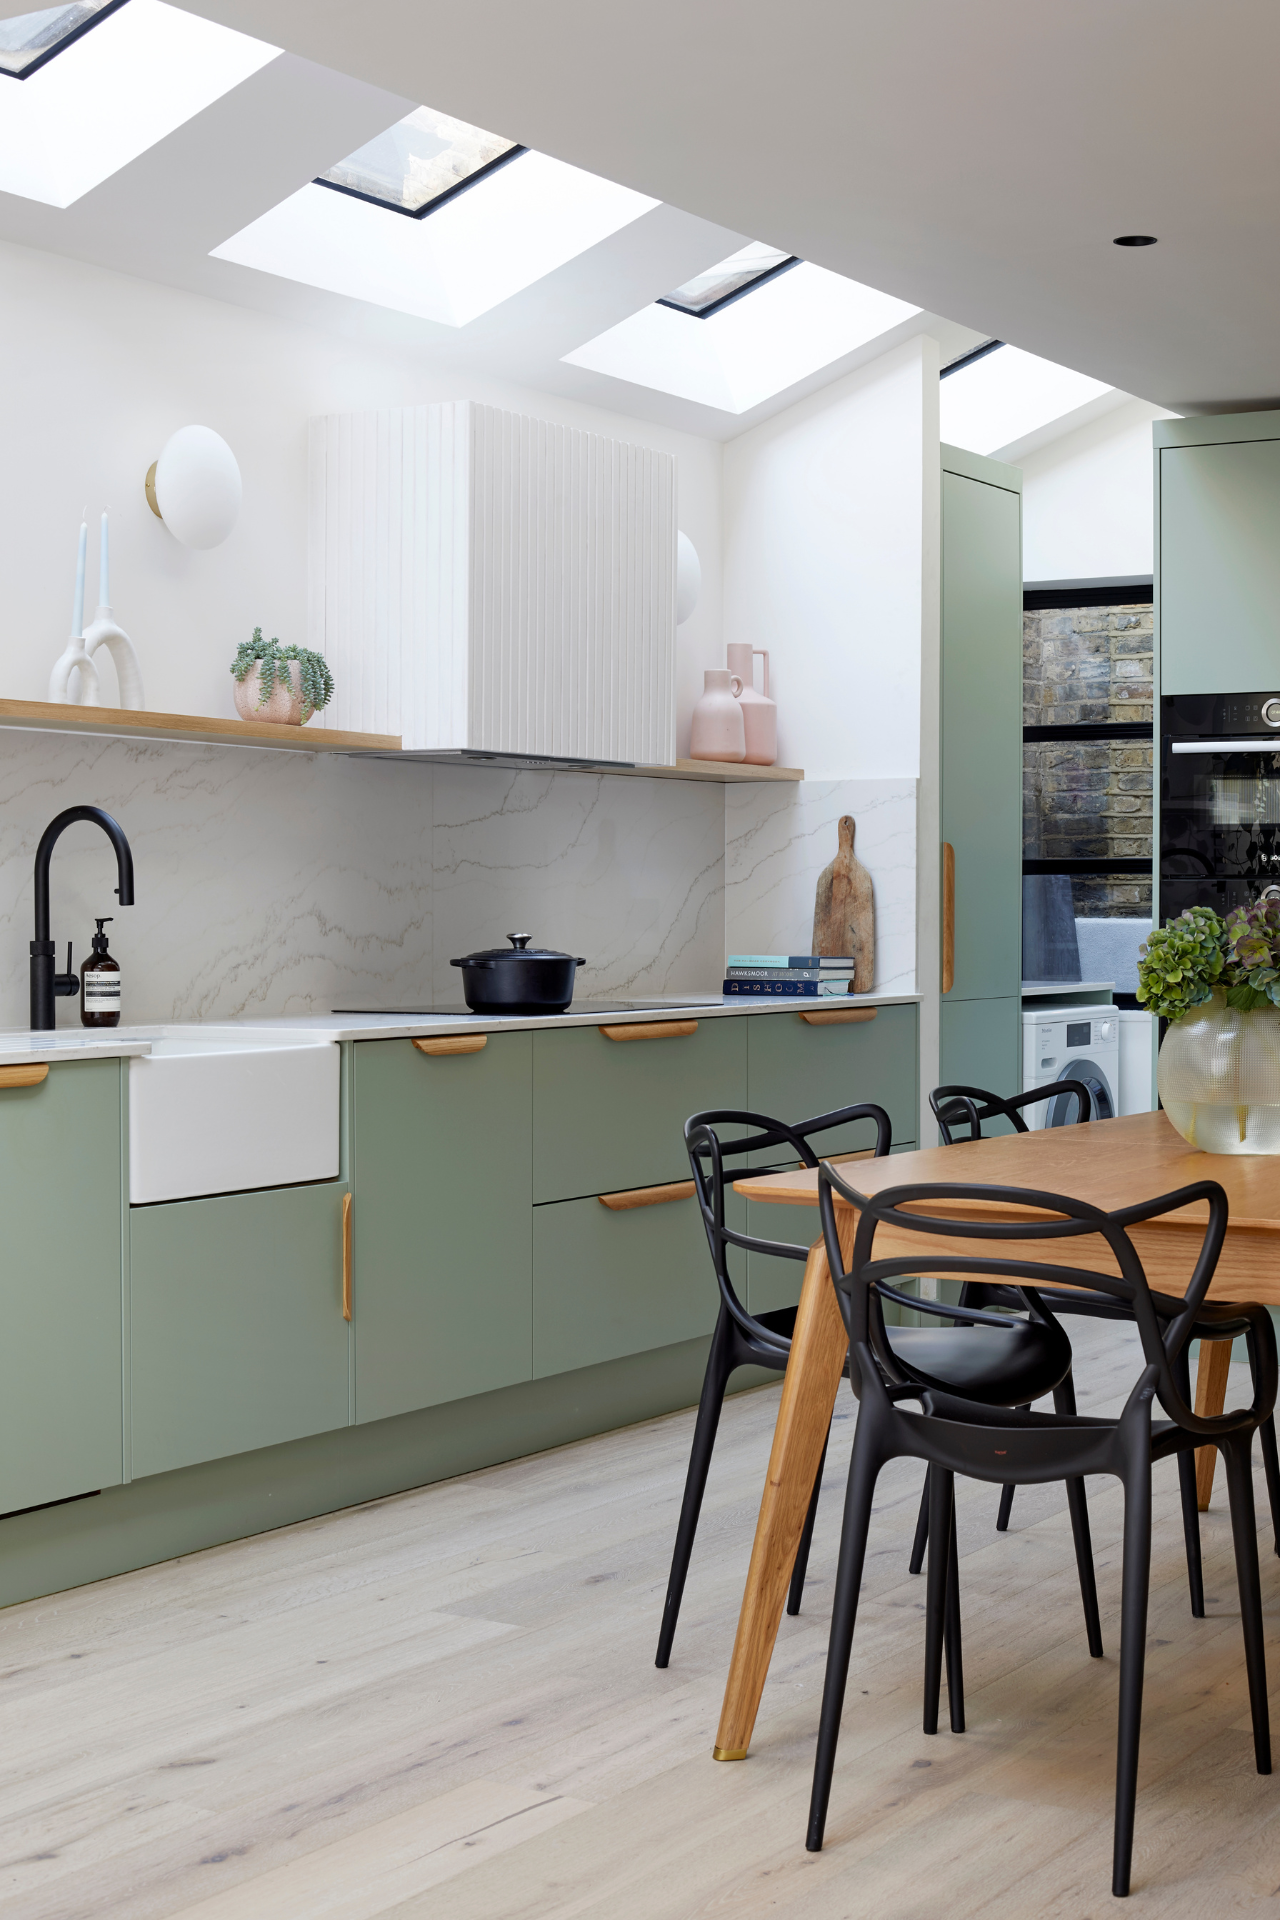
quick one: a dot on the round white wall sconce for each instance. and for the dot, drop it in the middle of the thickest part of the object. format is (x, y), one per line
(688, 578)
(194, 487)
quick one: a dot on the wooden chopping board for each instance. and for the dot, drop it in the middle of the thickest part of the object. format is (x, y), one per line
(844, 911)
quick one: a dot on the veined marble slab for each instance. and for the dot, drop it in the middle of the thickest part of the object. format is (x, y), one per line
(777, 841)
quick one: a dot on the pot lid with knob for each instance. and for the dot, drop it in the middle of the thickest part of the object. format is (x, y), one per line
(519, 950)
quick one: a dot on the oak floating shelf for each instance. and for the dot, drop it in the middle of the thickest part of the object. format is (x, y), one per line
(55, 717)
(204, 730)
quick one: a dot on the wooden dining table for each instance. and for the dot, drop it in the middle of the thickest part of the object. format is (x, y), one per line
(1110, 1163)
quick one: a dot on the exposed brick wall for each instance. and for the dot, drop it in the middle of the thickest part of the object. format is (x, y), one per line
(1089, 663)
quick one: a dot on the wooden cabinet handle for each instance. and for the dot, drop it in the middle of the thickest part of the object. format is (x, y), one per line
(26, 1075)
(651, 1030)
(839, 1016)
(948, 916)
(453, 1043)
(646, 1196)
(346, 1256)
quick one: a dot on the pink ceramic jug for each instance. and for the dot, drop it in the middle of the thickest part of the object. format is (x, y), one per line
(717, 732)
(759, 712)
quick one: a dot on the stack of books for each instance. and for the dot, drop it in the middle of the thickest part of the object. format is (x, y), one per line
(787, 974)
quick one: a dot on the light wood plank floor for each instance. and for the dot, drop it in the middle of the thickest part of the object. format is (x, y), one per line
(444, 1704)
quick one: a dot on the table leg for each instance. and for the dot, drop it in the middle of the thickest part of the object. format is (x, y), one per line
(1211, 1395)
(818, 1348)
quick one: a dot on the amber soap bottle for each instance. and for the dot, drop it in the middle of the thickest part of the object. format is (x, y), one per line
(100, 984)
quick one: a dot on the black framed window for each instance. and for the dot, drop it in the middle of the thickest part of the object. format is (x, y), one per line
(424, 161)
(29, 41)
(710, 292)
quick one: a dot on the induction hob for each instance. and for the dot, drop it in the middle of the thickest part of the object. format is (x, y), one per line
(452, 1010)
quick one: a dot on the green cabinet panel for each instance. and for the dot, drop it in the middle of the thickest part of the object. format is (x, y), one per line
(442, 1256)
(238, 1339)
(981, 726)
(1220, 566)
(795, 1071)
(981, 1042)
(60, 1358)
(607, 1284)
(610, 1114)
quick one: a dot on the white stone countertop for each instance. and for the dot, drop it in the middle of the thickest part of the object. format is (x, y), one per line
(18, 1045)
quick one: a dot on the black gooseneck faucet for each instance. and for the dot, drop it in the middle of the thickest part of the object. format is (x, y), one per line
(47, 985)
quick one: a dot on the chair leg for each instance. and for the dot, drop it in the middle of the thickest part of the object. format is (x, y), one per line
(1244, 1532)
(1064, 1401)
(801, 1566)
(1006, 1508)
(941, 1484)
(864, 1470)
(716, 1378)
(1267, 1434)
(1133, 1646)
(921, 1540)
(955, 1664)
(1191, 1531)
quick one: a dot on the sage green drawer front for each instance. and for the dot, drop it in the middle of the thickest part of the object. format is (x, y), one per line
(442, 1239)
(795, 1071)
(609, 1114)
(607, 1284)
(238, 1339)
(60, 1201)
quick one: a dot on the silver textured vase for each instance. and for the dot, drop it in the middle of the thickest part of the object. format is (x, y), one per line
(1219, 1077)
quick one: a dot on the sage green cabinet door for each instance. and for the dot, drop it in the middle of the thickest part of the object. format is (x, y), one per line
(60, 1355)
(610, 1114)
(1220, 567)
(238, 1339)
(607, 1284)
(980, 1046)
(981, 721)
(442, 1252)
(796, 1071)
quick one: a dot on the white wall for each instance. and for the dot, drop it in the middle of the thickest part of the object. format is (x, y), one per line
(824, 564)
(1087, 499)
(102, 368)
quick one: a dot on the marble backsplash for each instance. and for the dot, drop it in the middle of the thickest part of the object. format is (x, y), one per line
(779, 838)
(277, 883)
(274, 883)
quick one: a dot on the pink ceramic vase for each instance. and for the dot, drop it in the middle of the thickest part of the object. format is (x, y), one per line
(284, 705)
(717, 732)
(759, 712)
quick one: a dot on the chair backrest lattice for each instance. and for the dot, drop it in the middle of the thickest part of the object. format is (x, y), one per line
(972, 1106)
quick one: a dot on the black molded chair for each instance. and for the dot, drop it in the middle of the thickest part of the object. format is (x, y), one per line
(742, 1339)
(954, 1107)
(955, 1435)
(947, 1356)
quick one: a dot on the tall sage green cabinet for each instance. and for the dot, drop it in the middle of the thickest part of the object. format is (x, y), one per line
(981, 771)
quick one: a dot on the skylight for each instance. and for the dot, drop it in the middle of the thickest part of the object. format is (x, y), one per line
(1000, 396)
(790, 325)
(29, 39)
(112, 93)
(707, 292)
(421, 161)
(508, 230)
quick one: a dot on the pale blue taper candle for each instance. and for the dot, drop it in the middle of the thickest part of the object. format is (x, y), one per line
(104, 566)
(77, 612)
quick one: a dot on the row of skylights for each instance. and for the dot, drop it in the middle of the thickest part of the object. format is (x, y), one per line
(999, 394)
(125, 76)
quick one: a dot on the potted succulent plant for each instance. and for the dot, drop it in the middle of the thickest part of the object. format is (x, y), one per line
(284, 684)
(1217, 982)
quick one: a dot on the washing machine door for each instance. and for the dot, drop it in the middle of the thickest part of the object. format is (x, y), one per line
(1062, 1111)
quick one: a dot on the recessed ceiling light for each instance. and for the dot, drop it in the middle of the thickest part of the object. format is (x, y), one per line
(1134, 240)
(421, 162)
(109, 94)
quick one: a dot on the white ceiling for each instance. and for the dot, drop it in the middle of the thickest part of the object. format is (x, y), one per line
(976, 160)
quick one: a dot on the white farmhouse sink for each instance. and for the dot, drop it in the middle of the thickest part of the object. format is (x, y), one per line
(218, 1111)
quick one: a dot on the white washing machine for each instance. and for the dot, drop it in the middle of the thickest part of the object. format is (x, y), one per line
(1071, 1043)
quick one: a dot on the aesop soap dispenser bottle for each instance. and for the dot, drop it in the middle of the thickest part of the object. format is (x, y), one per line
(100, 984)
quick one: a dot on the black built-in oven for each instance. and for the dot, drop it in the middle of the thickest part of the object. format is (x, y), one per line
(1219, 800)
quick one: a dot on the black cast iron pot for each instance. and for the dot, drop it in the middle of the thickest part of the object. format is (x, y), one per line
(518, 979)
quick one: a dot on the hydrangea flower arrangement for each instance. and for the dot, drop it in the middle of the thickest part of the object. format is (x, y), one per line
(1182, 963)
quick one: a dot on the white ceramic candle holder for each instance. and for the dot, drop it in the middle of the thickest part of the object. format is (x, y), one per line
(105, 633)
